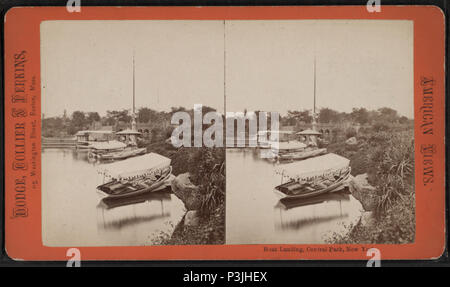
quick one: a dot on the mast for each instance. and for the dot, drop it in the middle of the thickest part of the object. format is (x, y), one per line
(133, 115)
(314, 107)
(133, 85)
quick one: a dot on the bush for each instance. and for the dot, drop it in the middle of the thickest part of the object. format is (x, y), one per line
(395, 226)
(388, 159)
(394, 167)
(336, 135)
(350, 132)
(210, 176)
(207, 170)
(381, 127)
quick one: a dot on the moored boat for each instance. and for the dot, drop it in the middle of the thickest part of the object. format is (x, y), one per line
(98, 148)
(135, 176)
(122, 154)
(314, 176)
(299, 155)
(87, 138)
(287, 147)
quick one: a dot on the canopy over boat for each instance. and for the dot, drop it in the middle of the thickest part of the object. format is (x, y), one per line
(128, 132)
(288, 145)
(308, 132)
(109, 145)
(313, 167)
(135, 167)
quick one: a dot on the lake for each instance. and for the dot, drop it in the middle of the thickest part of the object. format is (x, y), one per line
(255, 215)
(73, 213)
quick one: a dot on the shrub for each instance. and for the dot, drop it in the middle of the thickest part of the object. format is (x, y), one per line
(381, 127)
(350, 132)
(210, 176)
(394, 166)
(396, 226)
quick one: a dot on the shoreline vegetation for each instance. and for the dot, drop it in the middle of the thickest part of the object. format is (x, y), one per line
(206, 169)
(382, 147)
(385, 153)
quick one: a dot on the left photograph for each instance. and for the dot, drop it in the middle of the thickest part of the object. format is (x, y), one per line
(111, 173)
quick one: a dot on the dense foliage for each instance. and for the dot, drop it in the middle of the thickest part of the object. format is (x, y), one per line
(361, 116)
(207, 170)
(387, 156)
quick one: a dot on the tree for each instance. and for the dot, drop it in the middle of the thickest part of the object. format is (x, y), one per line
(52, 127)
(146, 115)
(327, 115)
(78, 119)
(92, 117)
(360, 115)
(299, 116)
(388, 114)
(175, 109)
(403, 120)
(118, 116)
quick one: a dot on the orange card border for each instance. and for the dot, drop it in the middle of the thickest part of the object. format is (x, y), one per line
(23, 238)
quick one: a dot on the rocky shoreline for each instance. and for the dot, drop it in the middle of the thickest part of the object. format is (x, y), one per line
(196, 226)
(367, 195)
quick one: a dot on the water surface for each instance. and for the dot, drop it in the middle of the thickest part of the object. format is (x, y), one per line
(254, 213)
(74, 214)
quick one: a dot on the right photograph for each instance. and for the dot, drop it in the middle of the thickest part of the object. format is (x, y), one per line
(321, 150)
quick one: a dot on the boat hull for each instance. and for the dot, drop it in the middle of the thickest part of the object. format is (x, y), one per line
(158, 185)
(339, 183)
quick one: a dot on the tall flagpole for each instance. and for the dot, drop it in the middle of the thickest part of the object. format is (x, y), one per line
(314, 107)
(133, 116)
(133, 86)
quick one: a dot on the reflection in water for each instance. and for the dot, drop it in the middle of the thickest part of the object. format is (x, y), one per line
(73, 213)
(162, 195)
(294, 216)
(255, 214)
(116, 213)
(288, 203)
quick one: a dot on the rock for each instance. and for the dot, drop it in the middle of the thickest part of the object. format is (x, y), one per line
(351, 141)
(191, 218)
(187, 192)
(364, 192)
(367, 219)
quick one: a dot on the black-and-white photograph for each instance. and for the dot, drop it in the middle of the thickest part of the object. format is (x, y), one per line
(342, 169)
(227, 132)
(110, 173)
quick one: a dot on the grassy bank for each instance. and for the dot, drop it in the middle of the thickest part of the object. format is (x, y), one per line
(395, 225)
(207, 169)
(387, 156)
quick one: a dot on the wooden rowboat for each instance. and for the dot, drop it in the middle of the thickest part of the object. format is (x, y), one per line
(296, 189)
(134, 176)
(122, 189)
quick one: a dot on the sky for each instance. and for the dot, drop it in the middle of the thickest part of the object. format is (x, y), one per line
(269, 65)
